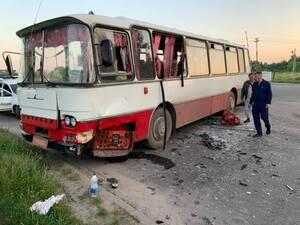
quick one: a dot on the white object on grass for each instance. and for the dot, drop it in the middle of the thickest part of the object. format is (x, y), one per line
(44, 207)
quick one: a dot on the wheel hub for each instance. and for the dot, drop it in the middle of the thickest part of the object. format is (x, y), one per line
(159, 128)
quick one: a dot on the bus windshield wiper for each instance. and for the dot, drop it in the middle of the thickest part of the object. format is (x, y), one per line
(30, 71)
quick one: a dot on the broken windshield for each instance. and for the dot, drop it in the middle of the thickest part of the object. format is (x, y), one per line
(58, 55)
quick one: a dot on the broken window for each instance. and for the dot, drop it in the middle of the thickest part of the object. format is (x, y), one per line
(121, 67)
(169, 55)
(143, 54)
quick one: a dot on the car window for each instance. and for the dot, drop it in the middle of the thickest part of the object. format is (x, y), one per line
(6, 88)
(6, 93)
(13, 88)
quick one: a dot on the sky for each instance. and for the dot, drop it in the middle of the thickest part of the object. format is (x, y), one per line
(274, 22)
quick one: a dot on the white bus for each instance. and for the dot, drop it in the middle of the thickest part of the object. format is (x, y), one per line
(100, 84)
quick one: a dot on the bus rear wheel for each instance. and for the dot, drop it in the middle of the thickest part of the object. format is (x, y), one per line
(231, 102)
(157, 128)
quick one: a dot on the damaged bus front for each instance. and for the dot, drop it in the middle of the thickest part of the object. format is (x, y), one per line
(57, 91)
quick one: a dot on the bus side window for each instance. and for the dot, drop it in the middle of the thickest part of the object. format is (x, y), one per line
(241, 60)
(217, 59)
(232, 60)
(197, 57)
(169, 54)
(144, 64)
(121, 69)
(247, 60)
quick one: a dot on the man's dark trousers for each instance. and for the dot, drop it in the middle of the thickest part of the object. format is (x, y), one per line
(260, 111)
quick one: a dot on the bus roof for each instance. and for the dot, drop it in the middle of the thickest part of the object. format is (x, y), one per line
(120, 22)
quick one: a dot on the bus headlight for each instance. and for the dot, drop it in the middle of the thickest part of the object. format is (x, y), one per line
(70, 121)
(73, 122)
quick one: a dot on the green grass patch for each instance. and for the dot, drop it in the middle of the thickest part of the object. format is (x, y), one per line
(96, 201)
(102, 212)
(286, 77)
(68, 172)
(24, 180)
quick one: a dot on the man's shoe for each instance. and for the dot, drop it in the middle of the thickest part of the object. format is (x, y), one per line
(268, 131)
(257, 135)
(247, 120)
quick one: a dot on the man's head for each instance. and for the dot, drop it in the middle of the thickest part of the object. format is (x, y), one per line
(251, 77)
(258, 76)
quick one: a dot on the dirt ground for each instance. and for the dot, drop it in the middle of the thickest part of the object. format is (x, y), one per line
(239, 181)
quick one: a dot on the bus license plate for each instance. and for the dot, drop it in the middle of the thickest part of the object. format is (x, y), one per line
(40, 141)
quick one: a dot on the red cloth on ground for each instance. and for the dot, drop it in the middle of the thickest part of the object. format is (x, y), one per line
(230, 118)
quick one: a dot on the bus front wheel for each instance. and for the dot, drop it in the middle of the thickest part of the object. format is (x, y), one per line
(231, 102)
(157, 128)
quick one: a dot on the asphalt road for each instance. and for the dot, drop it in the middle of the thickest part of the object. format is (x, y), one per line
(244, 181)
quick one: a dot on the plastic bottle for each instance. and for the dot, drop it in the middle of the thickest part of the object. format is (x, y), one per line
(94, 185)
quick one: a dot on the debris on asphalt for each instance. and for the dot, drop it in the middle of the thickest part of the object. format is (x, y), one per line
(193, 215)
(151, 188)
(289, 187)
(44, 207)
(159, 222)
(243, 183)
(275, 175)
(241, 153)
(248, 193)
(113, 182)
(200, 165)
(206, 221)
(257, 157)
(213, 142)
(244, 166)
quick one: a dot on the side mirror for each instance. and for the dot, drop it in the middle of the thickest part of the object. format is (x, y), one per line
(107, 53)
(9, 66)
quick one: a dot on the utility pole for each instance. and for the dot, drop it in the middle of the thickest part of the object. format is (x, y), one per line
(294, 60)
(247, 39)
(256, 40)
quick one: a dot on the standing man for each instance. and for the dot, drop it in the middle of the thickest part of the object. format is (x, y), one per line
(261, 99)
(246, 96)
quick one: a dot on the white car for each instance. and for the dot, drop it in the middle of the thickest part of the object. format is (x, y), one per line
(8, 95)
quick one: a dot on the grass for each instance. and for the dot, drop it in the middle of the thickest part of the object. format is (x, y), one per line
(102, 212)
(24, 180)
(286, 77)
(69, 173)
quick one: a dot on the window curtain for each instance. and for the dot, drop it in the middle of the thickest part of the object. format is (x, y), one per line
(156, 42)
(155, 45)
(120, 40)
(168, 55)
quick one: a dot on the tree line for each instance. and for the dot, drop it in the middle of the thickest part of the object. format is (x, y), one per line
(283, 66)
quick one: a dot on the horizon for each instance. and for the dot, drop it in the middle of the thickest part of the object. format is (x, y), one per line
(274, 22)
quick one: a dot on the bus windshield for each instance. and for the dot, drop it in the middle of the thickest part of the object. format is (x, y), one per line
(58, 55)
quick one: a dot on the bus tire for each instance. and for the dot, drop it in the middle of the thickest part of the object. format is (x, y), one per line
(156, 131)
(231, 102)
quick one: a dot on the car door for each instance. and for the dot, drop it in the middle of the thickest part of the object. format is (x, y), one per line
(5, 97)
